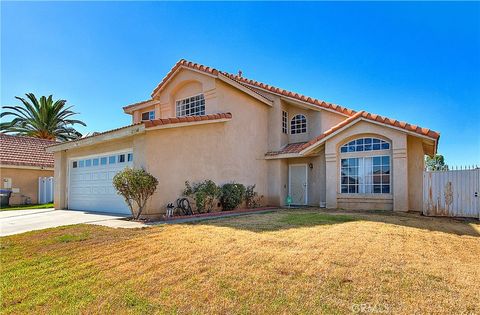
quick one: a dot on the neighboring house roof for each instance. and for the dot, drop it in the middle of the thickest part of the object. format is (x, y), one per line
(362, 115)
(25, 151)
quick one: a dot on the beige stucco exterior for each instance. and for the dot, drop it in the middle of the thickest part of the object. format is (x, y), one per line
(234, 149)
(24, 182)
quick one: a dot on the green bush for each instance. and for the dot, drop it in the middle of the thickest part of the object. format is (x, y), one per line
(231, 195)
(204, 193)
(135, 185)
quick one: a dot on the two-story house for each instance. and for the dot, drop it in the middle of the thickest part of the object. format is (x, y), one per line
(202, 123)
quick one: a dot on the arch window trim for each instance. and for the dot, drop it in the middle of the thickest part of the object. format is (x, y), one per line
(298, 124)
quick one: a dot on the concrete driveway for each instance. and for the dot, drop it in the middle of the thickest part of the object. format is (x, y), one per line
(20, 221)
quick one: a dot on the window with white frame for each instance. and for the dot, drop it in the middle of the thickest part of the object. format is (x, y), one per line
(102, 161)
(284, 122)
(191, 106)
(362, 172)
(298, 124)
(150, 115)
(365, 175)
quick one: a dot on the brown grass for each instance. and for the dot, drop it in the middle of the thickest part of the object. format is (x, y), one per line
(297, 261)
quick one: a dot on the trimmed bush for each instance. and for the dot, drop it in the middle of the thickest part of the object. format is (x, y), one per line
(231, 196)
(204, 193)
(135, 186)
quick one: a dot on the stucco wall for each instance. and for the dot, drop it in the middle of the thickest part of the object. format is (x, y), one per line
(318, 121)
(398, 198)
(26, 180)
(416, 165)
(329, 119)
(277, 181)
(276, 139)
(223, 152)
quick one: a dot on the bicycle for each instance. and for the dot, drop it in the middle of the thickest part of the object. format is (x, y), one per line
(183, 207)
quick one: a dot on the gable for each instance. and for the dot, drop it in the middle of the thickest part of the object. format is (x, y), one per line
(184, 83)
(374, 124)
(178, 73)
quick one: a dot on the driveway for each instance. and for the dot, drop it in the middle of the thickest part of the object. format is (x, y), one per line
(20, 221)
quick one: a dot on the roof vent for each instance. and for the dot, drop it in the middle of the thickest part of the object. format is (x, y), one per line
(240, 73)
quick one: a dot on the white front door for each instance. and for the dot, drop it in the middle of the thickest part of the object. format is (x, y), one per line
(298, 184)
(90, 185)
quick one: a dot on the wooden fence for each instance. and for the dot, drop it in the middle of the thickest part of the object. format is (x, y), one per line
(453, 193)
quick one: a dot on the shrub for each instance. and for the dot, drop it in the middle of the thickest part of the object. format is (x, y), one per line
(204, 194)
(252, 199)
(231, 195)
(135, 185)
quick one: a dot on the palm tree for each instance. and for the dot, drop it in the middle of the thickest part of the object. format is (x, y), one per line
(42, 118)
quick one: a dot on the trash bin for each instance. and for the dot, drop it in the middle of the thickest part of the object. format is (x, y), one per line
(5, 197)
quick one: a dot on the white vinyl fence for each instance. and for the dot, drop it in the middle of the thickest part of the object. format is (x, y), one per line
(453, 193)
(45, 190)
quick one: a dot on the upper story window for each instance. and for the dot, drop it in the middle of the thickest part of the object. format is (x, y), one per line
(148, 115)
(365, 144)
(284, 122)
(298, 124)
(191, 106)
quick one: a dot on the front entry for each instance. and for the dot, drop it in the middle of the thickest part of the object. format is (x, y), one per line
(298, 184)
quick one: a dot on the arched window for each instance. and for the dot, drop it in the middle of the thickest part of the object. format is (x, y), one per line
(298, 124)
(365, 144)
(362, 172)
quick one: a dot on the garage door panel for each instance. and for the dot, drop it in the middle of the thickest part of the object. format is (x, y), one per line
(91, 187)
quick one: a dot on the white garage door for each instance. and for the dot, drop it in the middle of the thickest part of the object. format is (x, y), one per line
(91, 187)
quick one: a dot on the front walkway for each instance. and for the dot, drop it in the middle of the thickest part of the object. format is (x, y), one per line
(20, 221)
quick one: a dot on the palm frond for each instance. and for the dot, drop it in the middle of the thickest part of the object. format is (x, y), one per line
(42, 118)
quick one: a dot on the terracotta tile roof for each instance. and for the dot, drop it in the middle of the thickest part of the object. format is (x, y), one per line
(95, 134)
(25, 151)
(138, 103)
(289, 148)
(299, 147)
(168, 121)
(377, 118)
(282, 92)
(253, 83)
(158, 122)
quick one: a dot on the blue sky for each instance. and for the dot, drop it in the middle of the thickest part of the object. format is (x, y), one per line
(417, 62)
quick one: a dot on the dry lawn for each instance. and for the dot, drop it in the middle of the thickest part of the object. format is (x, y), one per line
(296, 261)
